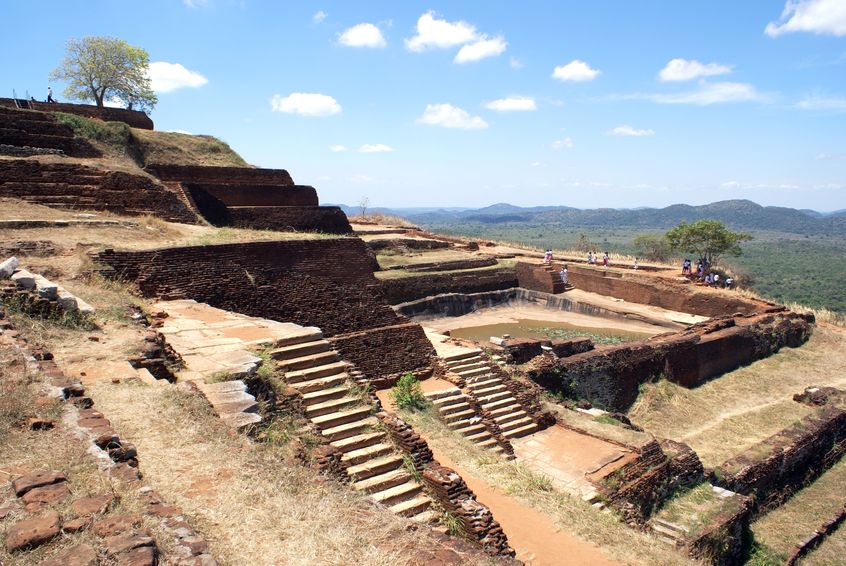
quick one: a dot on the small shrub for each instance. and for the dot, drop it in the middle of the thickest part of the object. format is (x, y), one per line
(220, 376)
(453, 524)
(411, 468)
(408, 394)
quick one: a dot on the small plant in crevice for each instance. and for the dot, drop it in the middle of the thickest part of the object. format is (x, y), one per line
(453, 523)
(408, 394)
(411, 468)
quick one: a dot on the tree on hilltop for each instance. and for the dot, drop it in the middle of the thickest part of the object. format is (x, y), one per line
(708, 239)
(655, 247)
(101, 68)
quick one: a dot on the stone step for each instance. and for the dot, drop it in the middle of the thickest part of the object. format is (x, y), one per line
(462, 355)
(321, 383)
(522, 431)
(473, 363)
(397, 493)
(375, 467)
(322, 395)
(241, 420)
(517, 423)
(500, 403)
(468, 373)
(666, 539)
(221, 386)
(457, 407)
(488, 400)
(435, 396)
(301, 349)
(350, 429)
(460, 416)
(315, 372)
(412, 506)
(667, 527)
(517, 414)
(479, 437)
(249, 405)
(309, 361)
(358, 441)
(445, 402)
(330, 406)
(462, 424)
(473, 430)
(504, 410)
(360, 455)
(308, 334)
(427, 517)
(489, 390)
(489, 443)
(341, 417)
(382, 482)
(474, 385)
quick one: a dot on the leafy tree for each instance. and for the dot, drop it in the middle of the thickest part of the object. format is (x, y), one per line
(708, 239)
(100, 68)
(653, 246)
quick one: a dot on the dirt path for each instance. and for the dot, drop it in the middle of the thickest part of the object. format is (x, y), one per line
(533, 535)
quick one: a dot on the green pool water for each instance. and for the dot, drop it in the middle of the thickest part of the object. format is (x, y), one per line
(527, 328)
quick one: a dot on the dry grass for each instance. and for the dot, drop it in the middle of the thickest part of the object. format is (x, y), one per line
(568, 512)
(414, 257)
(185, 149)
(696, 508)
(210, 235)
(726, 415)
(245, 499)
(786, 526)
(385, 220)
(831, 552)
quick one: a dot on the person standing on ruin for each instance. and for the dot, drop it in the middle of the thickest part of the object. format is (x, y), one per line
(590, 258)
(50, 94)
(605, 259)
(564, 277)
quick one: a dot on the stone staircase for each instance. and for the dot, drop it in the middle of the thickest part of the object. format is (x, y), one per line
(668, 532)
(459, 416)
(331, 402)
(231, 402)
(558, 286)
(479, 378)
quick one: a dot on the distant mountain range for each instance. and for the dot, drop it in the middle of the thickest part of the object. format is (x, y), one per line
(737, 214)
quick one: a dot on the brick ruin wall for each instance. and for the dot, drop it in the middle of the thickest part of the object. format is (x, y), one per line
(132, 118)
(634, 288)
(609, 376)
(404, 289)
(327, 283)
(777, 467)
(22, 128)
(66, 185)
(261, 199)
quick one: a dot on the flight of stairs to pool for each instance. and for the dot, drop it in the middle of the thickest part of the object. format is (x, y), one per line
(459, 416)
(373, 464)
(491, 393)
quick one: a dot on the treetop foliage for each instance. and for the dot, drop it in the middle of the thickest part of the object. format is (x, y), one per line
(707, 239)
(103, 68)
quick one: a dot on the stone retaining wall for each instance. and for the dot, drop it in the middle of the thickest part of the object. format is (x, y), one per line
(327, 283)
(24, 128)
(404, 289)
(723, 541)
(326, 219)
(609, 376)
(67, 185)
(132, 118)
(774, 469)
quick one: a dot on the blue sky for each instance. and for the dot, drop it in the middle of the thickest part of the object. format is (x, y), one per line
(587, 104)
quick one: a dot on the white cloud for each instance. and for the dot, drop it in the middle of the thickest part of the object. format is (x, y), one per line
(186, 132)
(512, 103)
(831, 157)
(449, 116)
(536, 163)
(685, 70)
(305, 104)
(515, 63)
(319, 16)
(561, 144)
(167, 77)
(626, 130)
(814, 16)
(482, 49)
(362, 35)
(337, 148)
(436, 33)
(822, 103)
(575, 70)
(707, 94)
(375, 148)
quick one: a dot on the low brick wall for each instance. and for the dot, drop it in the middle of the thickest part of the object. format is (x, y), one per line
(609, 376)
(774, 469)
(655, 291)
(233, 194)
(723, 541)
(326, 219)
(202, 174)
(404, 289)
(813, 540)
(67, 185)
(132, 118)
(385, 354)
